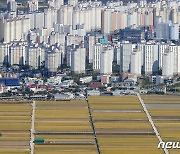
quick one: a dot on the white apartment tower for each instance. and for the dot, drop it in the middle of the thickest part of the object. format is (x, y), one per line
(78, 60)
(11, 5)
(91, 43)
(150, 59)
(17, 54)
(33, 5)
(53, 60)
(176, 58)
(4, 54)
(106, 21)
(56, 4)
(135, 62)
(125, 56)
(174, 31)
(73, 2)
(14, 29)
(167, 68)
(33, 56)
(106, 60)
(97, 49)
(117, 52)
(161, 50)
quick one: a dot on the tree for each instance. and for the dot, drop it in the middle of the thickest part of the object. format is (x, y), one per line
(115, 69)
(6, 94)
(76, 90)
(49, 96)
(25, 67)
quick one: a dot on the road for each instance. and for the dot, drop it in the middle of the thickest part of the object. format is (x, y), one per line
(32, 127)
(92, 125)
(151, 122)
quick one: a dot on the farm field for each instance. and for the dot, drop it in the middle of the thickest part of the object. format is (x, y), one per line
(65, 128)
(161, 99)
(15, 121)
(122, 126)
(65, 149)
(165, 112)
(111, 124)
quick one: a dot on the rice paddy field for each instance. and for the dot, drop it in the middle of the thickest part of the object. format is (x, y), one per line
(65, 127)
(15, 121)
(122, 126)
(165, 111)
(110, 124)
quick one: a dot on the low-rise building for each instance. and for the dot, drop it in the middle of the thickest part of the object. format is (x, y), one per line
(63, 96)
(93, 93)
(86, 79)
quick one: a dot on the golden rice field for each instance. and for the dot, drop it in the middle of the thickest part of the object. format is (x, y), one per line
(61, 113)
(15, 121)
(174, 151)
(123, 115)
(65, 149)
(61, 104)
(63, 126)
(64, 117)
(66, 138)
(61, 117)
(98, 116)
(165, 112)
(17, 118)
(157, 99)
(23, 136)
(114, 106)
(120, 123)
(130, 150)
(114, 99)
(15, 107)
(125, 140)
(14, 152)
(128, 144)
(166, 117)
(66, 152)
(114, 103)
(123, 126)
